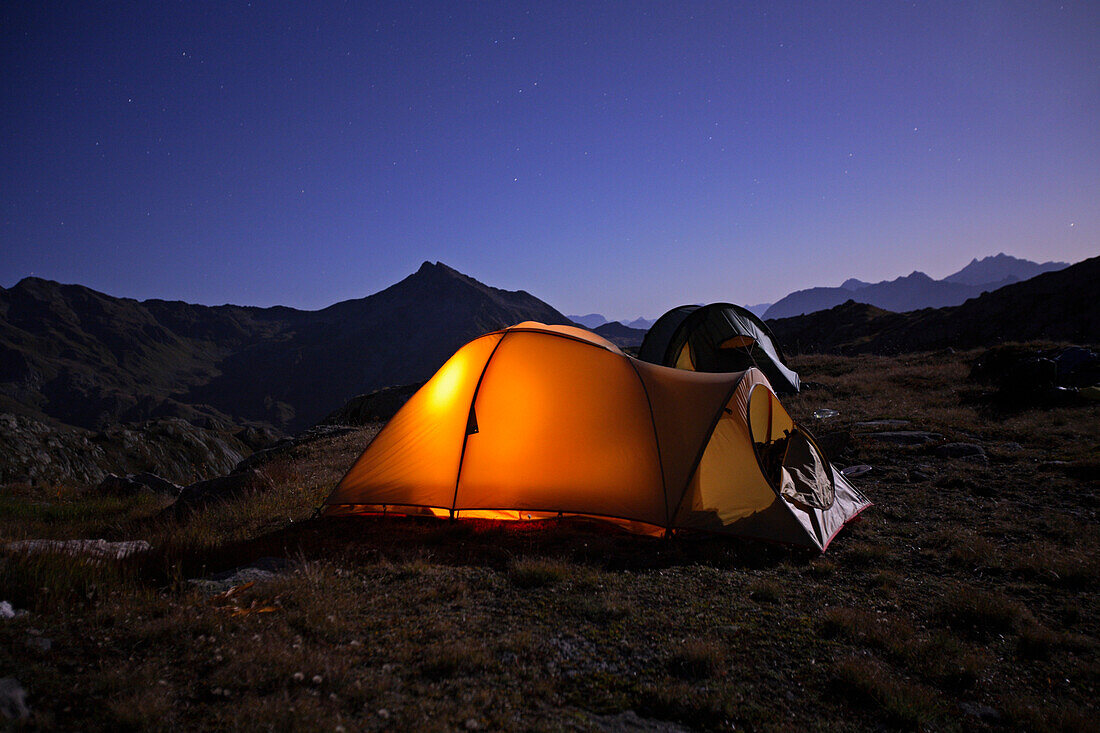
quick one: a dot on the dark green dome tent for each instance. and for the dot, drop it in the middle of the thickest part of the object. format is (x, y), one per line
(720, 337)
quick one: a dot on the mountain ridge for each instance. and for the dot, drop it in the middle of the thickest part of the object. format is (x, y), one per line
(1057, 305)
(84, 358)
(917, 289)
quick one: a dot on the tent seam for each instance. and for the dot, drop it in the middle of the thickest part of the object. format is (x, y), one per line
(706, 442)
(656, 440)
(466, 433)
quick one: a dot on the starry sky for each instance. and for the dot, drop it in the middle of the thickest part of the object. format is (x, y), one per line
(621, 158)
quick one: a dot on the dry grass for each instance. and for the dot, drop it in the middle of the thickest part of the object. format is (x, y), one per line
(868, 682)
(977, 584)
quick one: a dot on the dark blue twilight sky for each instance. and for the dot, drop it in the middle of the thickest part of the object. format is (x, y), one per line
(620, 158)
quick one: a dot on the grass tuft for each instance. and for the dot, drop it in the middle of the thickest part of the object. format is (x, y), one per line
(979, 613)
(765, 590)
(529, 573)
(698, 659)
(865, 680)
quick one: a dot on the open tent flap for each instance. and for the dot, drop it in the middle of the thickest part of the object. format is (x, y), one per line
(804, 475)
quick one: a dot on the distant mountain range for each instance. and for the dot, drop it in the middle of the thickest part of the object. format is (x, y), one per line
(83, 358)
(592, 321)
(916, 290)
(73, 356)
(1056, 306)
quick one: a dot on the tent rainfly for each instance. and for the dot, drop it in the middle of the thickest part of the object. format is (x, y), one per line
(720, 337)
(536, 421)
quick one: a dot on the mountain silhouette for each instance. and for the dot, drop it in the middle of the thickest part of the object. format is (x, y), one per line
(84, 358)
(916, 290)
(1056, 306)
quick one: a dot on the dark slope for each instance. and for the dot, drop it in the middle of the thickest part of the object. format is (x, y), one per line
(621, 335)
(397, 336)
(1058, 306)
(88, 359)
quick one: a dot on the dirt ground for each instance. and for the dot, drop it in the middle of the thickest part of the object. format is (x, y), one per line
(965, 598)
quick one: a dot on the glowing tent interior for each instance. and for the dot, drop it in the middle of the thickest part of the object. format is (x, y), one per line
(538, 421)
(720, 337)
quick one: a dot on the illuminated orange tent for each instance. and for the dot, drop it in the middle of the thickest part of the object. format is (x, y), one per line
(538, 421)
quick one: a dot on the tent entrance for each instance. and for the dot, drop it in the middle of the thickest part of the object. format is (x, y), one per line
(789, 458)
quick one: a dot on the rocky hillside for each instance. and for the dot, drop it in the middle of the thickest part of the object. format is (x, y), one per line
(35, 453)
(1057, 306)
(87, 359)
(916, 290)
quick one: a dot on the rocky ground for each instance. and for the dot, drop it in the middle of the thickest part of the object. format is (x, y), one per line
(966, 598)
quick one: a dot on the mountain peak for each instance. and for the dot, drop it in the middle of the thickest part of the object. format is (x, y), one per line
(1001, 268)
(429, 267)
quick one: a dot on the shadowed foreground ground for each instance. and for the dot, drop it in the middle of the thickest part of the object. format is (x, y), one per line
(965, 598)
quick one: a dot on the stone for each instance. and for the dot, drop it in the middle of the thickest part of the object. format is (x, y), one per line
(202, 493)
(905, 437)
(98, 549)
(13, 699)
(258, 438)
(259, 571)
(879, 424)
(7, 610)
(629, 721)
(982, 712)
(966, 451)
(135, 484)
(41, 643)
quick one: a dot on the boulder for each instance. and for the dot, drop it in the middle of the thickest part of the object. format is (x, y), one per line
(377, 406)
(137, 483)
(258, 438)
(202, 493)
(98, 549)
(263, 569)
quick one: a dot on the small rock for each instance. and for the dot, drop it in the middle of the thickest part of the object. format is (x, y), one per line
(472, 724)
(630, 722)
(879, 424)
(7, 610)
(1012, 447)
(965, 451)
(905, 437)
(41, 643)
(958, 450)
(13, 699)
(982, 712)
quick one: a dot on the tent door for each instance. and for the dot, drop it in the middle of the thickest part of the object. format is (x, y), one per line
(804, 475)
